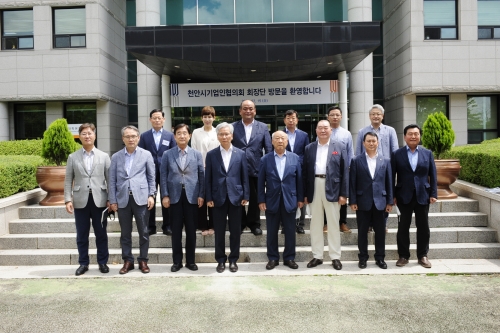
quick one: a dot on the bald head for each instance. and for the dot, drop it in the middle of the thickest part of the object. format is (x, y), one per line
(280, 141)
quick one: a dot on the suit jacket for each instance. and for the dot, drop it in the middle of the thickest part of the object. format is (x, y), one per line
(364, 190)
(301, 141)
(271, 187)
(387, 140)
(141, 180)
(337, 171)
(147, 142)
(79, 181)
(423, 180)
(259, 139)
(193, 174)
(232, 183)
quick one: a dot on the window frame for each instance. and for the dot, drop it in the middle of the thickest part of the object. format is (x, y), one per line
(447, 113)
(482, 131)
(55, 36)
(484, 27)
(430, 28)
(18, 121)
(3, 46)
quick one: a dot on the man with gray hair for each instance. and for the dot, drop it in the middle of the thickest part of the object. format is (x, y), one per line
(227, 191)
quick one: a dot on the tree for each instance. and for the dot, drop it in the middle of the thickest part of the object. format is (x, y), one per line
(438, 134)
(58, 142)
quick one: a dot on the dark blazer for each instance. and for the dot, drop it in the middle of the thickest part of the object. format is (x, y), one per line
(259, 139)
(337, 171)
(301, 141)
(423, 180)
(233, 183)
(271, 187)
(365, 191)
(147, 142)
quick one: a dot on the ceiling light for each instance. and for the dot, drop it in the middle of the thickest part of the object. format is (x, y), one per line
(318, 77)
(253, 70)
(188, 79)
(329, 63)
(177, 66)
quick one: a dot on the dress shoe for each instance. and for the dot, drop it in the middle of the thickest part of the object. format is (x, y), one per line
(257, 231)
(362, 264)
(192, 267)
(167, 231)
(152, 232)
(381, 264)
(345, 228)
(127, 266)
(81, 270)
(221, 267)
(103, 268)
(143, 266)
(175, 267)
(314, 262)
(401, 262)
(424, 262)
(233, 268)
(300, 230)
(291, 264)
(272, 263)
(337, 264)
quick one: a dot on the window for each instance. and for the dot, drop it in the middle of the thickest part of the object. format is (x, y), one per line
(17, 29)
(488, 19)
(29, 120)
(440, 19)
(482, 118)
(69, 27)
(430, 104)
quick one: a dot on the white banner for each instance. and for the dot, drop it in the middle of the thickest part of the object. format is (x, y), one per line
(261, 93)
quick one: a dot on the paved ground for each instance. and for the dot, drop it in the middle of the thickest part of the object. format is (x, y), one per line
(51, 299)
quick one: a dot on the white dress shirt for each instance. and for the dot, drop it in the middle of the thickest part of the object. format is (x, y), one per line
(226, 156)
(372, 163)
(88, 159)
(248, 130)
(321, 158)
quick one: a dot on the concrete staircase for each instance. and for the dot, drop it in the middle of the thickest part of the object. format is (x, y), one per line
(46, 236)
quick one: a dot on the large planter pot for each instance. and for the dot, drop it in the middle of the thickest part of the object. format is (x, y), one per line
(447, 174)
(51, 180)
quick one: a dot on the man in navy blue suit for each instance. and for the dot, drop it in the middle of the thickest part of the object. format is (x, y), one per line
(253, 138)
(370, 195)
(297, 142)
(227, 191)
(414, 169)
(280, 193)
(157, 141)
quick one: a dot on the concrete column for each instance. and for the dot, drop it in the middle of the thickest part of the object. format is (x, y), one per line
(4, 121)
(343, 98)
(148, 83)
(53, 111)
(42, 27)
(361, 77)
(165, 101)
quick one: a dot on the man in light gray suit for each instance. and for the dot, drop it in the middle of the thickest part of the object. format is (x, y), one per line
(85, 195)
(132, 189)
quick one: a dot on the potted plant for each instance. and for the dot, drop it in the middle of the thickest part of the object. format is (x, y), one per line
(57, 144)
(438, 136)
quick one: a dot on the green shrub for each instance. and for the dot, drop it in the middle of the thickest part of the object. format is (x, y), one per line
(58, 142)
(437, 134)
(480, 163)
(21, 147)
(18, 174)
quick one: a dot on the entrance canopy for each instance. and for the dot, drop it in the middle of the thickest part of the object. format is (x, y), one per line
(253, 52)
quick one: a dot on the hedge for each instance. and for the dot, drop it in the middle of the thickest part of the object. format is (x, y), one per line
(18, 174)
(21, 147)
(480, 163)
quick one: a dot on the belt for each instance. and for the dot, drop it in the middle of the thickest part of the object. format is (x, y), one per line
(320, 176)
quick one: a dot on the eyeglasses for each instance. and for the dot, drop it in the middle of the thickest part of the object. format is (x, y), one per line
(376, 114)
(128, 137)
(86, 133)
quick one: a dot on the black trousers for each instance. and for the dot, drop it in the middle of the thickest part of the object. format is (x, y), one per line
(164, 211)
(203, 222)
(251, 218)
(273, 222)
(183, 214)
(223, 215)
(422, 224)
(371, 218)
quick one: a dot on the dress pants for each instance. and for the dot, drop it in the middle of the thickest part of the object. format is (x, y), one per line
(183, 214)
(371, 218)
(164, 211)
(422, 224)
(301, 219)
(141, 214)
(332, 210)
(273, 223)
(203, 222)
(343, 215)
(251, 218)
(227, 214)
(83, 218)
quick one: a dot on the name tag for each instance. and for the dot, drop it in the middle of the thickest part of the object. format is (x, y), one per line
(165, 142)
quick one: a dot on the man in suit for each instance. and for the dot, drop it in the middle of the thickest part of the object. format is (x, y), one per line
(297, 142)
(157, 141)
(131, 193)
(326, 187)
(370, 195)
(280, 193)
(85, 195)
(414, 169)
(227, 191)
(252, 137)
(182, 179)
